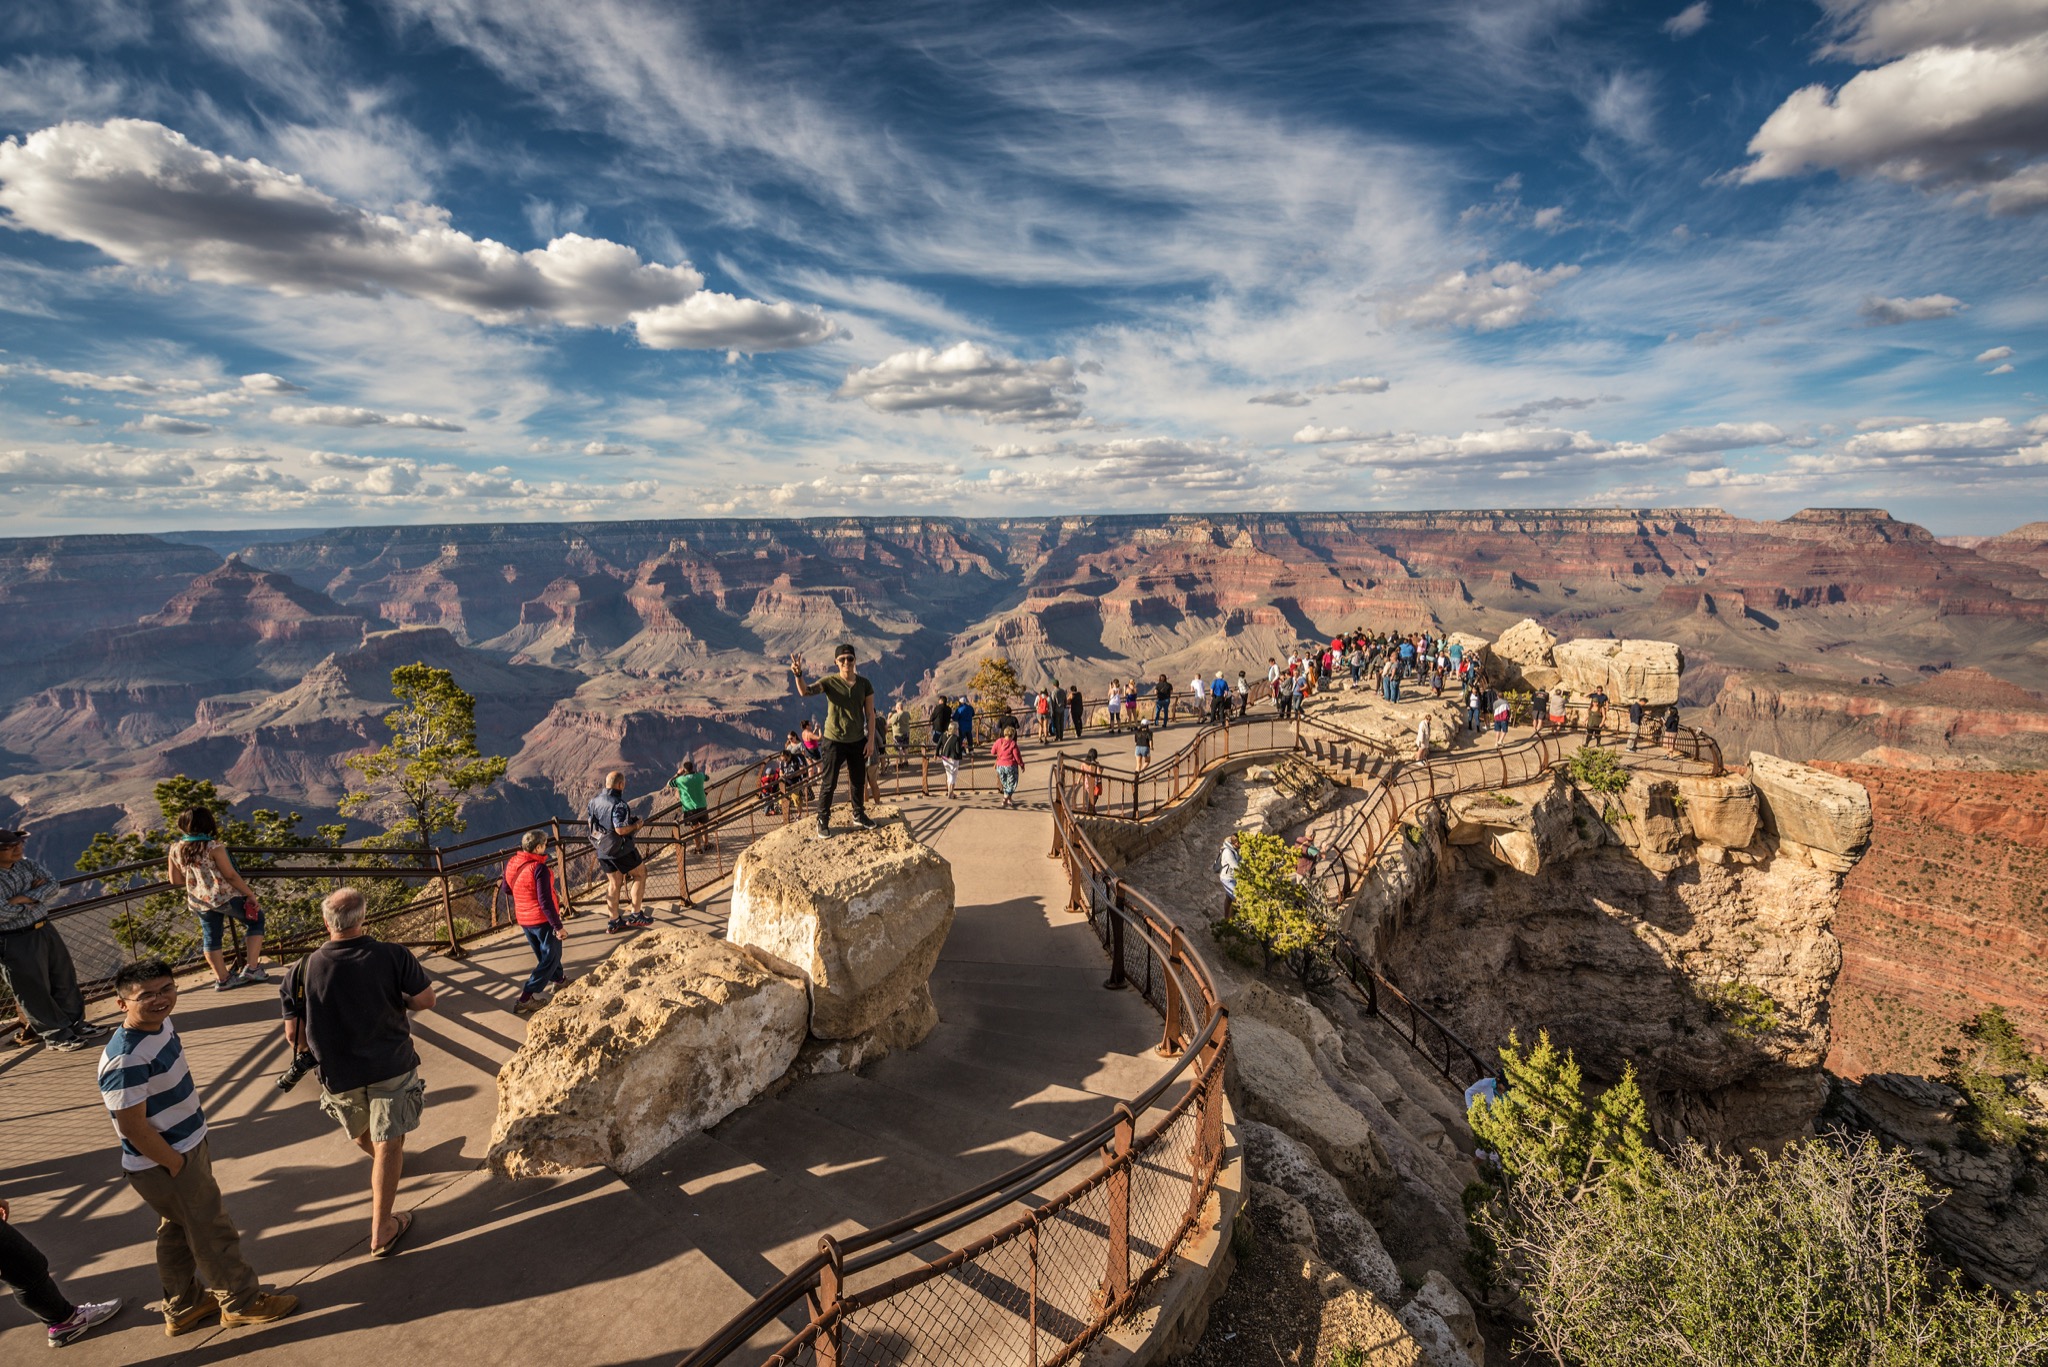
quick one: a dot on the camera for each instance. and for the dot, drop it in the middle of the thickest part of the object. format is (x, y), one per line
(303, 1063)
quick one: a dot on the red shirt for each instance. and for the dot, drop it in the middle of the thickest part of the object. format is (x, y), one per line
(533, 890)
(1005, 752)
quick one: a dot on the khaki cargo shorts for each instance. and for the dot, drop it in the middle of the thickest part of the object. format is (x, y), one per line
(386, 1109)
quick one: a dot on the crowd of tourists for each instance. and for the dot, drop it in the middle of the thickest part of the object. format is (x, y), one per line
(346, 1006)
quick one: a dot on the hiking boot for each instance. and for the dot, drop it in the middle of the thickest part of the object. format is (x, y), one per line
(185, 1321)
(83, 1318)
(527, 1002)
(271, 1305)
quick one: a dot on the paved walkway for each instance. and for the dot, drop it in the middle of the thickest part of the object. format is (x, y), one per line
(589, 1269)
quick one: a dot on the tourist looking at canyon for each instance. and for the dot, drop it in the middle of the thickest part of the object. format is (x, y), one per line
(33, 956)
(849, 739)
(612, 825)
(199, 864)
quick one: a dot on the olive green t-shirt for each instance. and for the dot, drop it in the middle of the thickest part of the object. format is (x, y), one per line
(846, 717)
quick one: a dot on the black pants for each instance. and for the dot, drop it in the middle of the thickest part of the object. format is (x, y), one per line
(853, 754)
(23, 1267)
(38, 969)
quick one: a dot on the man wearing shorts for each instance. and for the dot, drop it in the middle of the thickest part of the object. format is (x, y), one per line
(346, 1003)
(611, 834)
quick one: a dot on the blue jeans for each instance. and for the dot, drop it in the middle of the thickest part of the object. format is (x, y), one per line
(547, 949)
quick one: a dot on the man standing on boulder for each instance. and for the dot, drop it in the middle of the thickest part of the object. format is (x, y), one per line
(849, 735)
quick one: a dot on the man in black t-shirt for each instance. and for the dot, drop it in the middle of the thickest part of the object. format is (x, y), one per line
(849, 735)
(347, 1005)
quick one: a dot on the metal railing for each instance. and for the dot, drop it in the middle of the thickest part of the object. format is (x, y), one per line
(1127, 1192)
(1427, 1035)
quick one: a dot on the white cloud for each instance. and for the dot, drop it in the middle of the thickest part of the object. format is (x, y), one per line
(1522, 412)
(340, 415)
(1548, 220)
(1722, 436)
(1687, 21)
(717, 321)
(1486, 301)
(1312, 435)
(1961, 104)
(1882, 312)
(1300, 398)
(265, 383)
(969, 378)
(1282, 398)
(1997, 353)
(603, 448)
(1996, 436)
(93, 469)
(147, 197)
(183, 427)
(1508, 452)
(242, 455)
(2005, 369)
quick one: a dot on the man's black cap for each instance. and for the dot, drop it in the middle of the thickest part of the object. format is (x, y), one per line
(12, 837)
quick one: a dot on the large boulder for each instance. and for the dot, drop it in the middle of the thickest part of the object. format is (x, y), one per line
(1524, 654)
(1722, 810)
(1825, 816)
(668, 1036)
(1625, 669)
(861, 917)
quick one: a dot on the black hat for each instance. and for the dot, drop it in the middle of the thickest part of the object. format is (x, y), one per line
(12, 837)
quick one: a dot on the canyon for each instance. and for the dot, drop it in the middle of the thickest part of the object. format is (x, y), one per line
(261, 660)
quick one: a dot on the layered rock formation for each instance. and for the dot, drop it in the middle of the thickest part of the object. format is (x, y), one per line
(1943, 916)
(1993, 1215)
(667, 1036)
(1623, 926)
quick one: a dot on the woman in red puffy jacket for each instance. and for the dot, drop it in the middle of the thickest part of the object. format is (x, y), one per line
(532, 885)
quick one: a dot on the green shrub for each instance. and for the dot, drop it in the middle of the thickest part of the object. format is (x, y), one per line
(1747, 1011)
(1597, 770)
(1622, 1257)
(1991, 1069)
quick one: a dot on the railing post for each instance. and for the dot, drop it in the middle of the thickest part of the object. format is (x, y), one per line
(561, 864)
(1117, 981)
(682, 867)
(1171, 1033)
(1031, 1323)
(831, 1284)
(447, 905)
(1116, 1281)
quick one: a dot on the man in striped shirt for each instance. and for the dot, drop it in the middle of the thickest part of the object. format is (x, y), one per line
(145, 1083)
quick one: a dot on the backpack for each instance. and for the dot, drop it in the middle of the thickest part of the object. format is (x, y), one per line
(205, 889)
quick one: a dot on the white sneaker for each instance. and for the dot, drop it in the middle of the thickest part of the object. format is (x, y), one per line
(83, 1318)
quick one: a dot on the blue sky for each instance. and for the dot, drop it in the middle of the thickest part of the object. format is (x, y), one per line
(307, 263)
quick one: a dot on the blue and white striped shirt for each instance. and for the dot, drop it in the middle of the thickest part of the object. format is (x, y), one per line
(143, 1067)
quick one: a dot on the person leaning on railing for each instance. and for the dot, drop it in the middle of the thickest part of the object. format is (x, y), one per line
(33, 957)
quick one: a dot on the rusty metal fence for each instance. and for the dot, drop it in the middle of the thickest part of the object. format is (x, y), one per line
(1076, 1234)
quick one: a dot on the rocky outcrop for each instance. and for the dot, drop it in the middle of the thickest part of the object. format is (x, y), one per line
(1623, 669)
(668, 1036)
(1722, 810)
(1619, 925)
(860, 917)
(1994, 1214)
(1524, 652)
(1278, 1082)
(1822, 817)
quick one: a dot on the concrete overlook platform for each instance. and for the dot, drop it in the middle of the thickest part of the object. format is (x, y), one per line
(591, 1268)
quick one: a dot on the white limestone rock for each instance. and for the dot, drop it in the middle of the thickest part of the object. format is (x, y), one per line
(671, 1034)
(861, 917)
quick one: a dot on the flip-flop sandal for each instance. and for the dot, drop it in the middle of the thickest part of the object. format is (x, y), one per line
(385, 1250)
